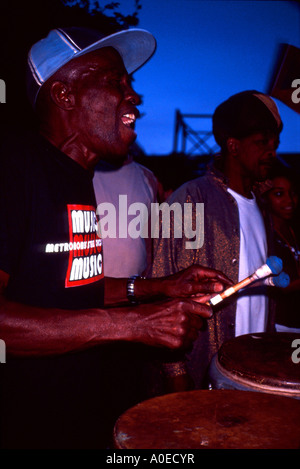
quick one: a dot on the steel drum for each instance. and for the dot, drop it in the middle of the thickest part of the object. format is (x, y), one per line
(228, 419)
(257, 362)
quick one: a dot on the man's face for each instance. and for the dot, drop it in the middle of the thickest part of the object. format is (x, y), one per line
(105, 105)
(257, 154)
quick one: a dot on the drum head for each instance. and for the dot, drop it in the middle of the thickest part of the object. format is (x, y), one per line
(212, 420)
(262, 360)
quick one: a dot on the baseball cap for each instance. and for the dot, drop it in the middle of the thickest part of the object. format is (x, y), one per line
(244, 114)
(62, 45)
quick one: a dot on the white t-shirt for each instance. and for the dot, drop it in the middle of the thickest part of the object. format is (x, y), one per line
(251, 312)
(123, 226)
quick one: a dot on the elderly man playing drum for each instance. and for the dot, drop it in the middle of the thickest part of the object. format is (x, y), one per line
(73, 337)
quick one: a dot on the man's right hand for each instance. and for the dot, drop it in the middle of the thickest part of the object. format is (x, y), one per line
(172, 323)
(33, 331)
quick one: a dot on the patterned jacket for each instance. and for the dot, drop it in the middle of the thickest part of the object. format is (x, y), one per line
(220, 250)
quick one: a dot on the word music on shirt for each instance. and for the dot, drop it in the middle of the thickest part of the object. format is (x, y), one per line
(84, 246)
(85, 263)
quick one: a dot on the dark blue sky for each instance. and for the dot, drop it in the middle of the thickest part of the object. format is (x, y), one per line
(207, 51)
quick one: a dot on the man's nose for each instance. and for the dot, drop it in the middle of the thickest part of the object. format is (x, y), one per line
(273, 144)
(272, 149)
(132, 96)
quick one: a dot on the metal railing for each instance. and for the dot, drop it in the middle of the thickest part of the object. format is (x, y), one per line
(191, 142)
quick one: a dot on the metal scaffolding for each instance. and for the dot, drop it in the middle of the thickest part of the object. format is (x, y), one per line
(191, 142)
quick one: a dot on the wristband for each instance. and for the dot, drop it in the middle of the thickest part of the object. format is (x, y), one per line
(130, 289)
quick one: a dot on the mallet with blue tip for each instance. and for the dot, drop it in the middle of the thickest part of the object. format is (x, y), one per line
(273, 266)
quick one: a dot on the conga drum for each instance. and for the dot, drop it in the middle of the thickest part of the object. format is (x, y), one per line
(257, 362)
(217, 419)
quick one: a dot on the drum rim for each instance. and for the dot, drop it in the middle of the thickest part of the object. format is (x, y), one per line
(253, 385)
(123, 426)
(232, 368)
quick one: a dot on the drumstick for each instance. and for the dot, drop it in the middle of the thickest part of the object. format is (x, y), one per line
(272, 266)
(282, 280)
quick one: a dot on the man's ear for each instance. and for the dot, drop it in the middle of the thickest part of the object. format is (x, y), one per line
(62, 95)
(233, 145)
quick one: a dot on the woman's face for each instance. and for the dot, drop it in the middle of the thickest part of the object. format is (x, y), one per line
(283, 199)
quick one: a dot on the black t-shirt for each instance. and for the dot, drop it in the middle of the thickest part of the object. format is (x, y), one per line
(50, 248)
(48, 241)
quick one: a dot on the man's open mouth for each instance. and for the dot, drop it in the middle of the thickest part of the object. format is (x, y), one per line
(128, 120)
